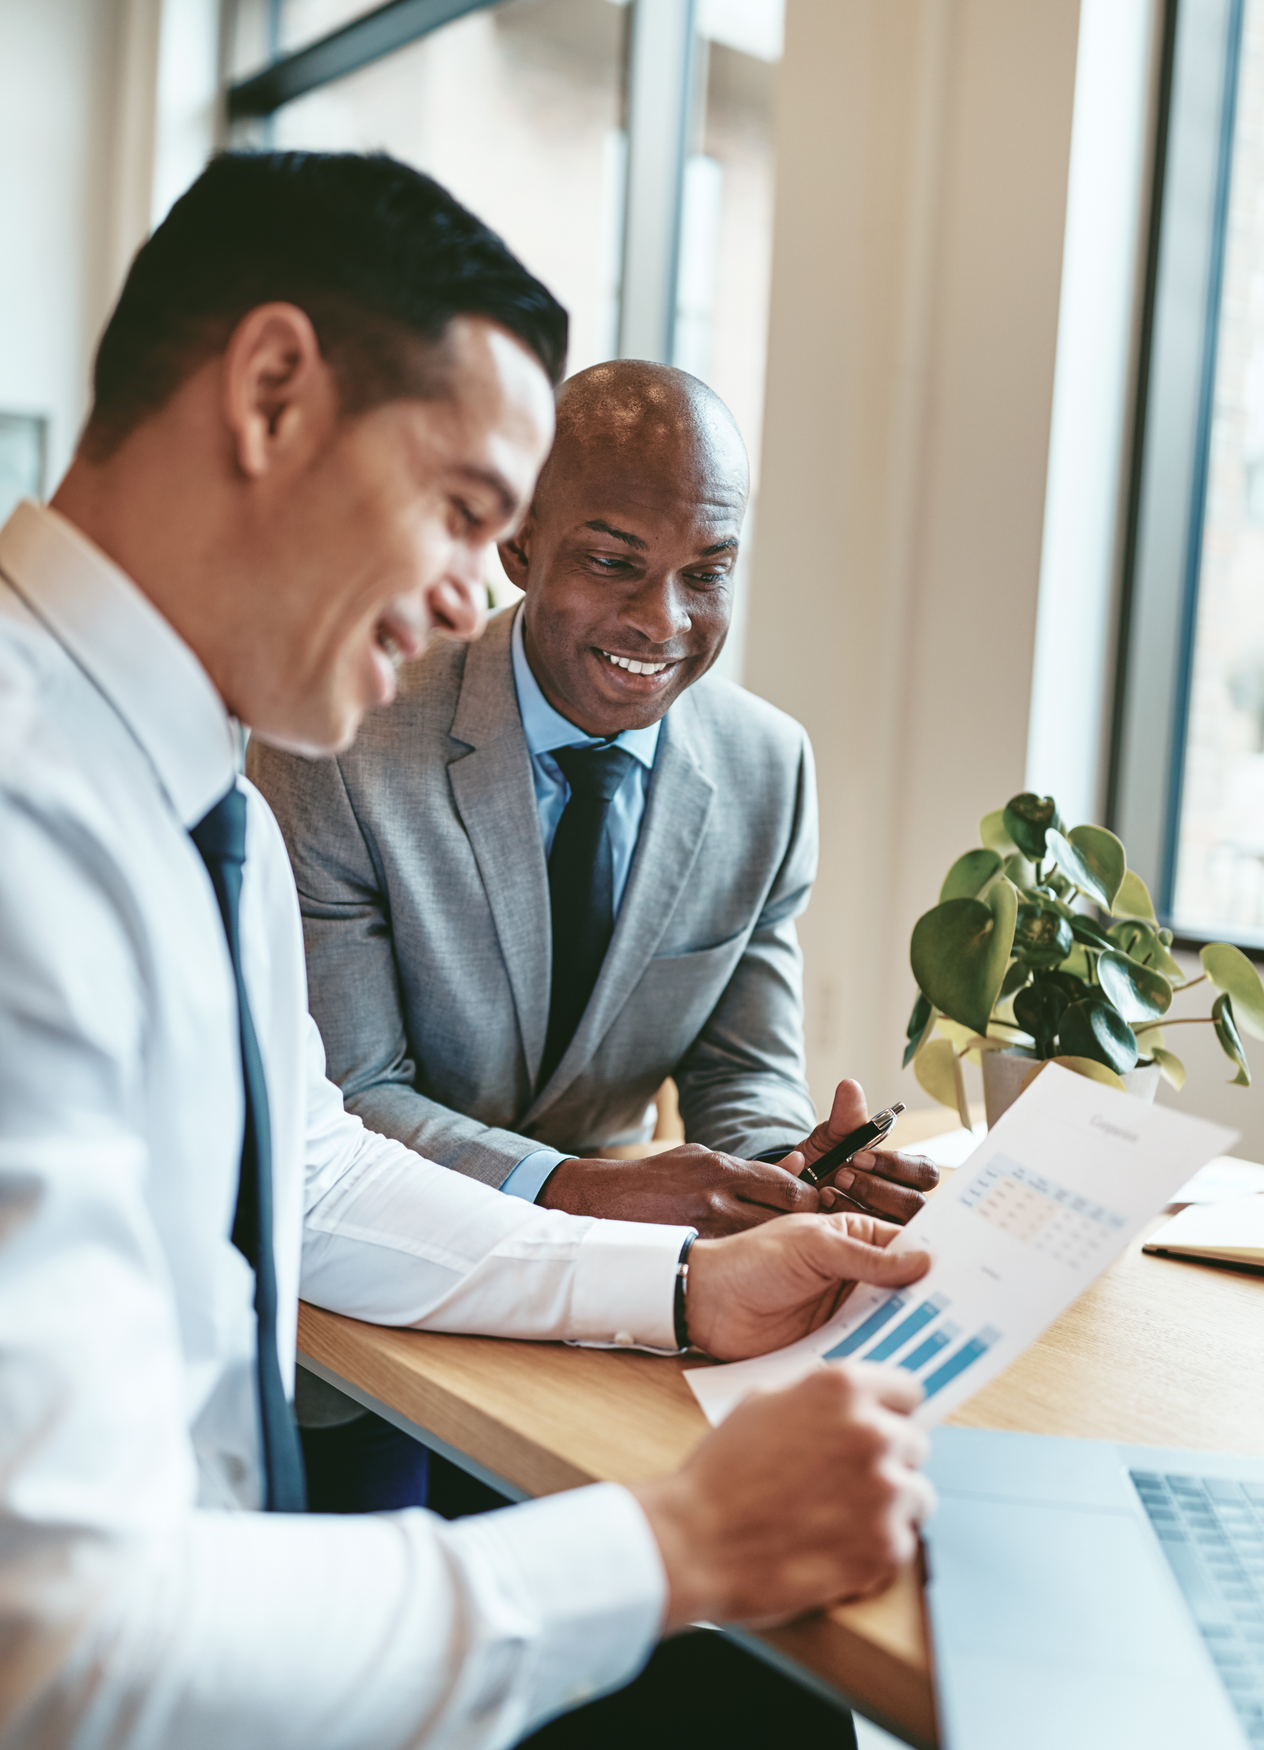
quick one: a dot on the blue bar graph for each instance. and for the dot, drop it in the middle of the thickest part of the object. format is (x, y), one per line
(955, 1364)
(907, 1329)
(928, 1350)
(869, 1328)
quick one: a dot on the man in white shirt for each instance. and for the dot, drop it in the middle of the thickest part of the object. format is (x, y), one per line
(324, 390)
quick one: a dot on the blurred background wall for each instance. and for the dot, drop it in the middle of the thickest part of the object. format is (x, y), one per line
(909, 240)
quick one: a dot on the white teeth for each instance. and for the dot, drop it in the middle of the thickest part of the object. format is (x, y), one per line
(634, 667)
(387, 644)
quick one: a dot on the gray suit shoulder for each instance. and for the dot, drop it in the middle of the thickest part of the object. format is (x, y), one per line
(744, 733)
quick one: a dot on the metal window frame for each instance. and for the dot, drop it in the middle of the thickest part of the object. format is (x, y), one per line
(659, 97)
(1176, 381)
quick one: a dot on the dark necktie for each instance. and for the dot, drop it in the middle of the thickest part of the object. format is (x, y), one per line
(221, 838)
(581, 889)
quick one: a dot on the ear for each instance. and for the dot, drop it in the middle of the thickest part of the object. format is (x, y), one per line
(515, 554)
(279, 394)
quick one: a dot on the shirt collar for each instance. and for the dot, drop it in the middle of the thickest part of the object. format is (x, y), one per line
(129, 652)
(546, 728)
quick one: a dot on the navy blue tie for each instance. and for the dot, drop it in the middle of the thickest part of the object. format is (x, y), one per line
(581, 889)
(221, 838)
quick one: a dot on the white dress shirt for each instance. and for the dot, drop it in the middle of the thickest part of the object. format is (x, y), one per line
(546, 729)
(138, 1605)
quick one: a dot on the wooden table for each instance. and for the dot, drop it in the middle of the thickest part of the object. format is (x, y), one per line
(1157, 1352)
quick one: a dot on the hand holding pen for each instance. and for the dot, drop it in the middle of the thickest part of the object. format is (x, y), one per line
(841, 1157)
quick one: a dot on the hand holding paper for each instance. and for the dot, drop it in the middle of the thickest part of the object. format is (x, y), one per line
(767, 1287)
(1058, 1187)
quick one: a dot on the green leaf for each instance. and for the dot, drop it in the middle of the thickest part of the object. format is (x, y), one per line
(1038, 1009)
(939, 1073)
(1229, 970)
(1078, 965)
(1075, 868)
(1014, 979)
(969, 875)
(1021, 872)
(919, 1024)
(1080, 1066)
(1103, 856)
(1230, 1043)
(1141, 942)
(1133, 899)
(1027, 819)
(993, 834)
(1091, 934)
(1092, 1028)
(959, 953)
(1041, 938)
(1138, 993)
(1170, 1067)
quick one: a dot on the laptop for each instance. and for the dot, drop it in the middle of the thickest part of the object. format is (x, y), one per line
(1088, 1596)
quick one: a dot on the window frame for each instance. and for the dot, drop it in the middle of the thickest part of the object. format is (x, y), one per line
(1166, 502)
(659, 98)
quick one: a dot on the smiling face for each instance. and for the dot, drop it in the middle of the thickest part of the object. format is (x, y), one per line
(381, 536)
(628, 553)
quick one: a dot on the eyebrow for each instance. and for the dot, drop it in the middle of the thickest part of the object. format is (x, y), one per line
(499, 485)
(604, 528)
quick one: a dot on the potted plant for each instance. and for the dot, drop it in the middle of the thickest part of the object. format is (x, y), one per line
(1045, 947)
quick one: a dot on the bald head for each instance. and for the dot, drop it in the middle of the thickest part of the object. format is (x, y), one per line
(640, 413)
(628, 553)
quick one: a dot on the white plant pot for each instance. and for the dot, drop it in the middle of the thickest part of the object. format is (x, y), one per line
(1005, 1071)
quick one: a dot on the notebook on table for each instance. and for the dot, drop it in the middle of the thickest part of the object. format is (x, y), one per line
(1215, 1233)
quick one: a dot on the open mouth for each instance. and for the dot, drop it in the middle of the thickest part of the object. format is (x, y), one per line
(390, 649)
(631, 665)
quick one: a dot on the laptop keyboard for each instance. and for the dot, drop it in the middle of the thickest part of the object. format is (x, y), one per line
(1212, 1532)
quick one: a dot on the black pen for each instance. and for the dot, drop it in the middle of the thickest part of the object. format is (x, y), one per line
(872, 1131)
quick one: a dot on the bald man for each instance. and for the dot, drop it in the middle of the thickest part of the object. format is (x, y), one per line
(567, 863)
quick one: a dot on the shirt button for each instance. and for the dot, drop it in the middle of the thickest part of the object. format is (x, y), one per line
(624, 1339)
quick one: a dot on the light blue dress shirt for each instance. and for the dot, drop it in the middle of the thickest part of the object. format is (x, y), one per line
(545, 729)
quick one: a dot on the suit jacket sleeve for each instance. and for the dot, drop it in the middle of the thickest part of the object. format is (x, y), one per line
(353, 979)
(743, 1083)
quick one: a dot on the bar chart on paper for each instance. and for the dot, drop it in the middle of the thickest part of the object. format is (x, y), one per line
(916, 1340)
(1061, 1183)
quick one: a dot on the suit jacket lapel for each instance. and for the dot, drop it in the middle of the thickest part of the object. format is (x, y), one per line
(680, 799)
(495, 796)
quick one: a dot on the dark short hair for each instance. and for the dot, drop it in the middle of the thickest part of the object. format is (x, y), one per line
(378, 255)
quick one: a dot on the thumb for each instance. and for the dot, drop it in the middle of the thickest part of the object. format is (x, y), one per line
(848, 1111)
(839, 1257)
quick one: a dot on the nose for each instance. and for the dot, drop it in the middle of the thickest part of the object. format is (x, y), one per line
(658, 609)
(457, 603)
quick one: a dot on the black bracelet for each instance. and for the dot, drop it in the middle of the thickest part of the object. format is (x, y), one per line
(678, 1304)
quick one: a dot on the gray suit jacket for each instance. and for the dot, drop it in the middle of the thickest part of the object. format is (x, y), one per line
(421, 873)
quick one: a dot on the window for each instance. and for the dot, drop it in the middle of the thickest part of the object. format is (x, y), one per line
(1189, 752)
(623, 149)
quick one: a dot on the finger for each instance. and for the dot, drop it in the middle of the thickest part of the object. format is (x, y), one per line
(896, 1388)
(896, 1202)
(847, 1113)
(830, 1246)
(872, 1229)
(758, 1182)
(733, 1215)
(902, 1169)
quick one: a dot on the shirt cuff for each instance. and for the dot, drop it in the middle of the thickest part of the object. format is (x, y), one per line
(527, 1179)
(625, 1286)
(587, 1569)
